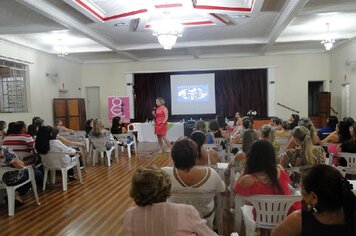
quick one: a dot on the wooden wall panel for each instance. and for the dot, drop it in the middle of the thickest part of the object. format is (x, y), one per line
(59, 107)
(74, 123)
(73, 109)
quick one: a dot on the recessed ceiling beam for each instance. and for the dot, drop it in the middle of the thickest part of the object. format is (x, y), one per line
(64, 19)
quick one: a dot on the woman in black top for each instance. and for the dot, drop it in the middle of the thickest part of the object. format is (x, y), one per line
(88, 127)
(331, 205)
(117, 127)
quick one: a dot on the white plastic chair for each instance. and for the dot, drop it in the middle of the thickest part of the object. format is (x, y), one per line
(78, 136)
(218, 141)
(122, 139)
(351, 162)
(99, 145)
(11, 189)
(53, 161)
(208, 147)
(270, 211)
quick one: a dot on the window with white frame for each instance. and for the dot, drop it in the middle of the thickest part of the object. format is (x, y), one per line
(13, 96)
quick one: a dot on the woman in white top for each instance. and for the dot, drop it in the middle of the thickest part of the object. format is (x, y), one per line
(191, 184)
(46, 141)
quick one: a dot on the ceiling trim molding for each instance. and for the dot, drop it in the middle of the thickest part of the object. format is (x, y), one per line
(62, 18)
(289, 11)
(206, 43)
(338, 7)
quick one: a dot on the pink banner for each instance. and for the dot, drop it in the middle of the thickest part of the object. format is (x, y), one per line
(119, 106)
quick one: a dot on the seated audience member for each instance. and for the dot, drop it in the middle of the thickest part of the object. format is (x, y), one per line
(340, 135)
(239, 161)
(187, 177)
(150, 188)
(268, 133)
(99, 131)
(283, 131)
(329, 128)
(247, 123)
(215, 132)
(350, 145)
(293, 121)
(275, 123)
(10, 129)
(307, 123)
(2, 130)
(349, 120)
(117, 127)
(262, 174)
(200, 126)
(204, 157)
(88, 127)
(9, 159)
(331, 204)
(61, 127)
(238, 127)
(305, 153)
(18, 140)
(237, 119)
(47, 142)
(37, 122)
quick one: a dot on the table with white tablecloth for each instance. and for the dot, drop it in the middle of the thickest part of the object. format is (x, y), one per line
(145, 131)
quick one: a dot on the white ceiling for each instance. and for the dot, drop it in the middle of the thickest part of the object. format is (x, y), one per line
(116, 30)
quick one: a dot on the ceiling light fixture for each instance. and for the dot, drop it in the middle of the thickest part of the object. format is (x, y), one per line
(167, 30)
(61, 50)
(328, 41)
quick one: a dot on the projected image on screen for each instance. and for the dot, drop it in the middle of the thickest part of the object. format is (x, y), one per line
(193, 93)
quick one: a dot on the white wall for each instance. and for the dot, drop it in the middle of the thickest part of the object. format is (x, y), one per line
(42, 89)
(340, 73)
(292, 74)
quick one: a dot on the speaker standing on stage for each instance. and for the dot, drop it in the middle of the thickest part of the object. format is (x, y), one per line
(161, 117)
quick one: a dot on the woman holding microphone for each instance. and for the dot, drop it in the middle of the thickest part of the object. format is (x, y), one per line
(161, 118)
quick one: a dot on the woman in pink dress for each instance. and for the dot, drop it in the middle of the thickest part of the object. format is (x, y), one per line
(161, 118)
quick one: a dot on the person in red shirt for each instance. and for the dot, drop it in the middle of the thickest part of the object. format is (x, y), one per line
(19, 140)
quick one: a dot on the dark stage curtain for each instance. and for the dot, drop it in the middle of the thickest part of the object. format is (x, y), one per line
(147, 88)
(235, 90)
(241, 90)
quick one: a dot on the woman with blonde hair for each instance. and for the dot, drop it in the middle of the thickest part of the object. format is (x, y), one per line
(268, 133)
(98, 131)
(305, 153)
(161, 123)
(153, 215)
